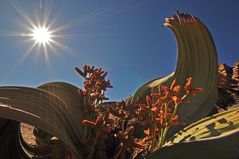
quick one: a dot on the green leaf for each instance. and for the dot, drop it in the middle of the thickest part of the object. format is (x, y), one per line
(197, 58)
(67, 93)
(217, 125)
(226, 147)
(47, 110)
(214, 137)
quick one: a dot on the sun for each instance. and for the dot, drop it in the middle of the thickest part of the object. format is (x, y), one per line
(44, 38)
(42, 35)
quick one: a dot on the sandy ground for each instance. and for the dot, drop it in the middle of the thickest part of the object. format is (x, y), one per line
(27, 133)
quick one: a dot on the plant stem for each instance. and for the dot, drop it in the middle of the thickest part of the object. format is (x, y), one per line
(123, 125)
(165, 128)
(161, 137)
(85, 127)
(175, 109)
(165, 131)
(119, 152)
(93, 146)
(153, 130)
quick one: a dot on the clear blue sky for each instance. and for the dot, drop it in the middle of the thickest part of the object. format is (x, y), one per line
(124, 37)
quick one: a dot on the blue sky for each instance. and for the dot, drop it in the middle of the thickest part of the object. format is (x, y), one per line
(126, 38)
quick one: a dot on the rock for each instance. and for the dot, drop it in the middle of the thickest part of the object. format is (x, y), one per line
(228, 87)
(235, 70)
(225, 74)
(225, 70)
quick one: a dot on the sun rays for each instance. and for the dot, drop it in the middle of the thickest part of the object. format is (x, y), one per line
(46, 36)
(40, 33)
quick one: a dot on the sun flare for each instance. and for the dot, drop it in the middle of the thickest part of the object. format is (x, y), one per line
(42, 35)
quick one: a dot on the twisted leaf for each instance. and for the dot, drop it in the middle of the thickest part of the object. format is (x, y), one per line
(45, 110)
(197, 58)
(214, 137)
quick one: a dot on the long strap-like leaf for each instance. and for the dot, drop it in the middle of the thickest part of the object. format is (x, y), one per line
(197, 58)
(45, 110)
(214, 137)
